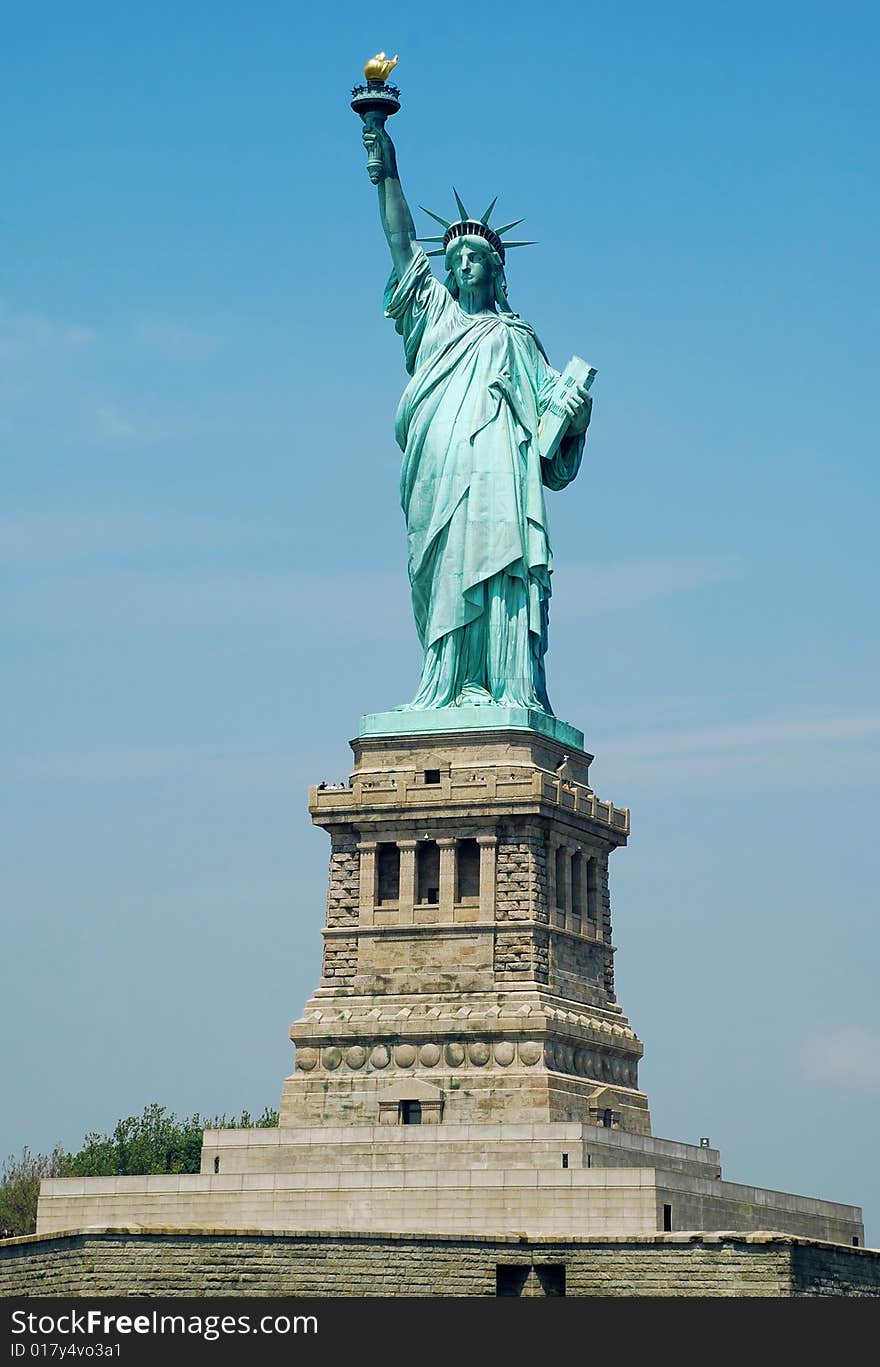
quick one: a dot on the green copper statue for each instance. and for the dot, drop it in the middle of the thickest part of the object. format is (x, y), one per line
(473, 477)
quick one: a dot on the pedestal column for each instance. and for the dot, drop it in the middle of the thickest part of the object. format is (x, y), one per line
(407, 897)
(488, 859)
(447, 877)
(367, 887)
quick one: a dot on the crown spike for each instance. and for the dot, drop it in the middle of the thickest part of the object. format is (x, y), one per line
(519, 244)
(485, 217)
(461, 209)
(444, 222)
(431, 239)
(440, 253)
(507, 227)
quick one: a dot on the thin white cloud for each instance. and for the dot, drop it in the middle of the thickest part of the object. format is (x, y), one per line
(51, 363)
(848, 1056)
(106, 764)
(776, 753)
(587, 590)
(751, 735)
(23, 334)
(365, 604)
(113, 528)
(135, 764)
(109, 422)
(182, 340)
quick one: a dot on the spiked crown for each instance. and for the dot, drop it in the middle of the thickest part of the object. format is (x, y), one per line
(467, 226)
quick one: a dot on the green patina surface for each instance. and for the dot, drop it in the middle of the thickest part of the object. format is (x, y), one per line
(439, 719)
(473, 474)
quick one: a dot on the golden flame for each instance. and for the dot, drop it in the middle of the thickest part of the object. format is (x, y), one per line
(380, 67)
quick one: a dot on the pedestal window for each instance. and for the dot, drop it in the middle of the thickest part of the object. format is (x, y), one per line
(467, 871)
(578, 886)
(594, 911)
(388, 872)
(428, 873)
(562, 880)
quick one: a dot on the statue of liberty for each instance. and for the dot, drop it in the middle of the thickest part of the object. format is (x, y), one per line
(473, 477)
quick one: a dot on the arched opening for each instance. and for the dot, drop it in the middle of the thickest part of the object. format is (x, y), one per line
(578, 884)
(467, 880)
(593, 909)
(561, 856)
(388, 872)
(428, 872)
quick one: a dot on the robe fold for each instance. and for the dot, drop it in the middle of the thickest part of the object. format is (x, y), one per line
(471, 488)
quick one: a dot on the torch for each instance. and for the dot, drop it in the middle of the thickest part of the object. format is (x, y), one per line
(375, 101)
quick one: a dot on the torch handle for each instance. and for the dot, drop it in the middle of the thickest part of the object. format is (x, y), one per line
(375, 119)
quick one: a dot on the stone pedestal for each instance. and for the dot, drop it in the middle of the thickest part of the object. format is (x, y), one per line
(468, 944)
(463, 1069)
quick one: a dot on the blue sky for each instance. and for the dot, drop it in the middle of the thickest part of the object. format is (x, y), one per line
(203, 553)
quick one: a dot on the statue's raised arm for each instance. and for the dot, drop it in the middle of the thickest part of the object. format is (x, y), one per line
(397, 221)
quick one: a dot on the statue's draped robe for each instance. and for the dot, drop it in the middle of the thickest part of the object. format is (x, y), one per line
(471, 490)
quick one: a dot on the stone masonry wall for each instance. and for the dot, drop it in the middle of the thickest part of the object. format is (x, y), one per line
(832, 1274)
(128, 1263)
(521, 877)
(605, 909)
(343, 882)
(521, 895)
(522, 956)
(343, 890)
(340, 961)
(578, 969)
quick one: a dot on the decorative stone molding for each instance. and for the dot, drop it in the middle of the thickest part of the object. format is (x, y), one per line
(558, 1054)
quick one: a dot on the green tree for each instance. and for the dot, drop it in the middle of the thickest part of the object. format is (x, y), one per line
(20, 1187)
(157, 1141)
(154, 1142)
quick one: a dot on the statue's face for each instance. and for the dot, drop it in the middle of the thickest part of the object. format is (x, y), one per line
(472, 266)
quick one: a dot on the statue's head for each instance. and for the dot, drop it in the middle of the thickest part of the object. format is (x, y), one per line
(473, 262)
(484, 243)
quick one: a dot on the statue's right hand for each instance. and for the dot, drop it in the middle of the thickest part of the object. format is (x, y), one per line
(380, 150)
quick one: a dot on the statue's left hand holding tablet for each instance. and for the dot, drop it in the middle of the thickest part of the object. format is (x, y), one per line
(579, 406)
